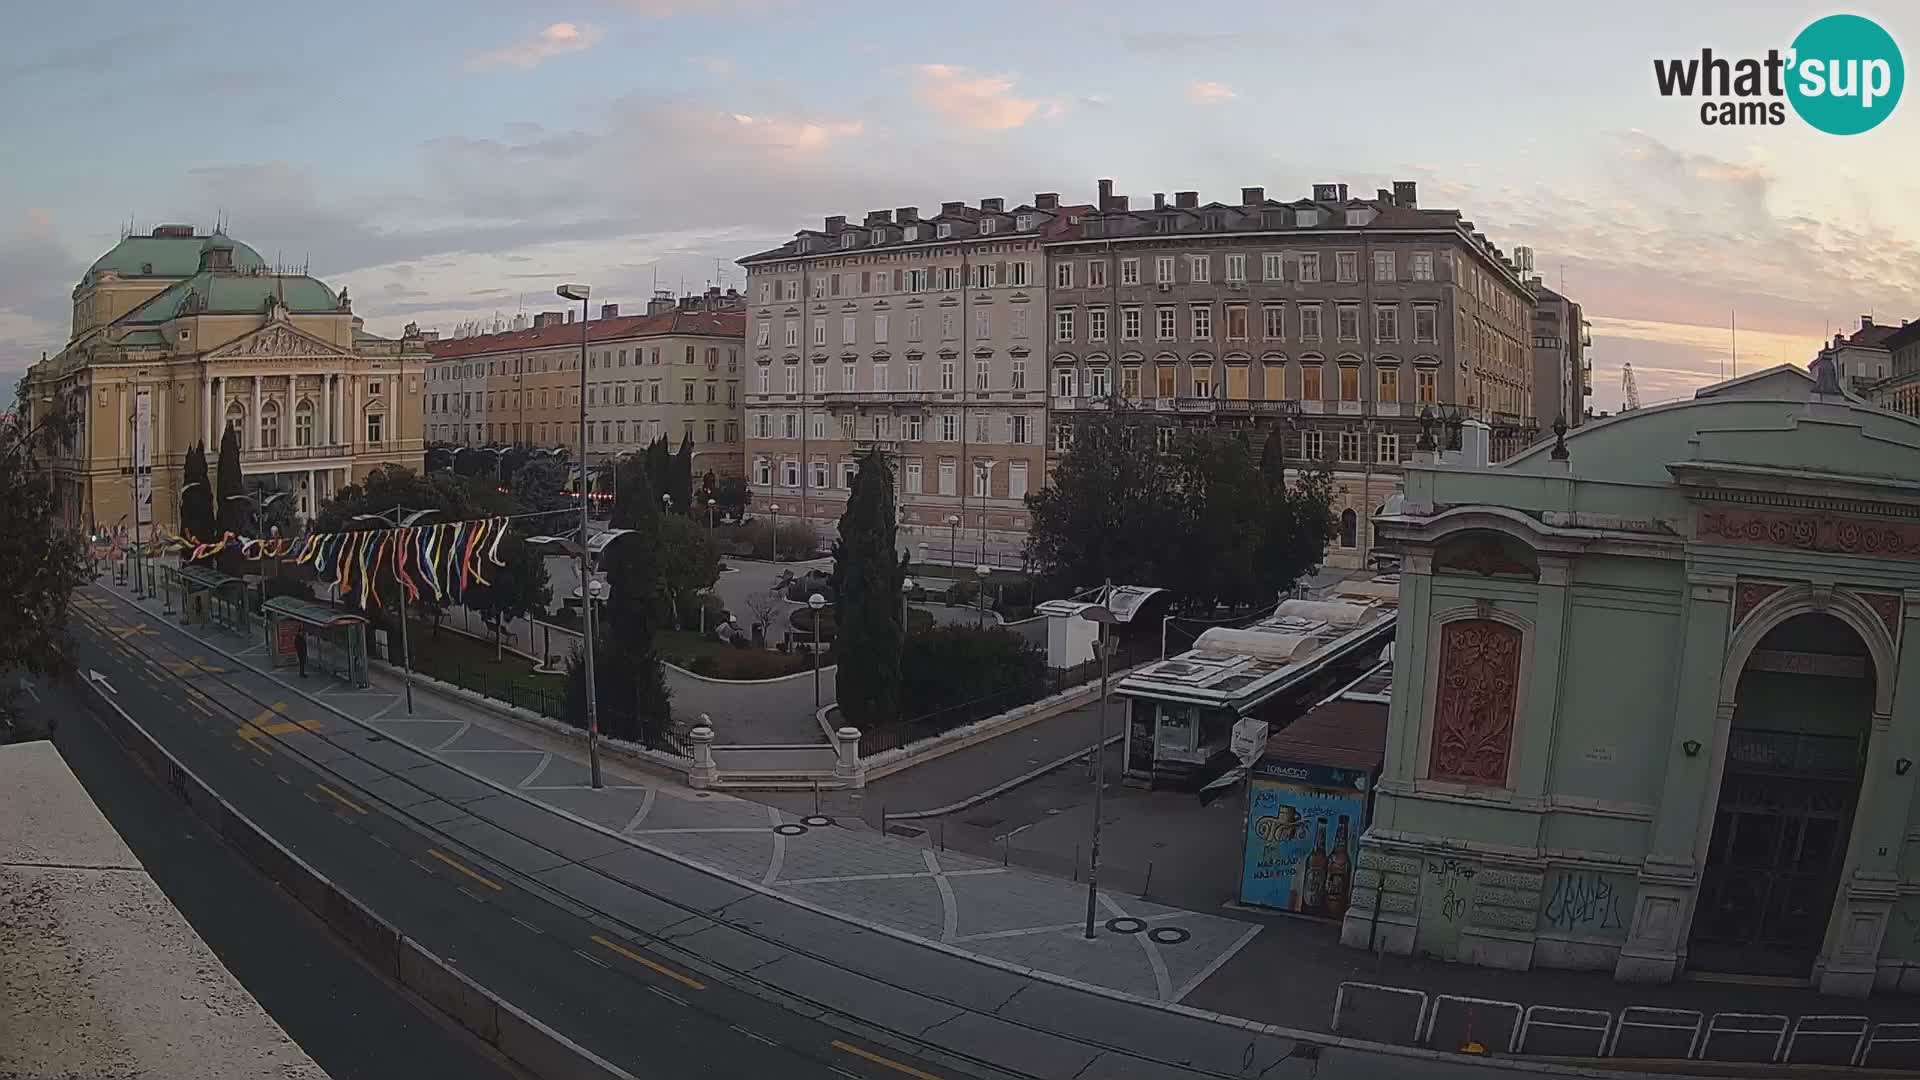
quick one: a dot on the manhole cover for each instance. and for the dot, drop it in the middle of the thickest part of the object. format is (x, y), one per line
(1167, 935)
(816, 821)
(790, 829)
(1126, 924)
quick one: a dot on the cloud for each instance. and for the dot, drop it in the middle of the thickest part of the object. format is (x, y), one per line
(37, 272)
(982, 102)
(1209, 93)
(557, 39)
(716, 65)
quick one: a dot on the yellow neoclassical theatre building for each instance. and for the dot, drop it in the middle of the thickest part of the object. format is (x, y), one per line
(178, 336)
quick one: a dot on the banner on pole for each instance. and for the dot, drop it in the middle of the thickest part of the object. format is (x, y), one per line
(143, 457)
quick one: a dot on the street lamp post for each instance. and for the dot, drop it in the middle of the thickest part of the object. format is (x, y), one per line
(581, 293)
(399, 596)
(711, 503)
(773, 530)
(816, 602)
(953, 539)
(1105, 617)
(981, 572)
(906, 588)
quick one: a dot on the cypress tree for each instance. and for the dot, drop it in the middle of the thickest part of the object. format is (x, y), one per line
(659, 466)
(230, 513)
(197, 521)
(630, 683)
(680, 478)
(867, 578)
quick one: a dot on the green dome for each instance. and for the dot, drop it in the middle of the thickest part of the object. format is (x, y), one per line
(173, 254)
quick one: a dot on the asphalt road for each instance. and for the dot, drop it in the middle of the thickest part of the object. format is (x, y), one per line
(609, 993)
(355, 1024)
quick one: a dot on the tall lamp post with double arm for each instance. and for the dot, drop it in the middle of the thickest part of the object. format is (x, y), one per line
(399, 517)
(581, 293)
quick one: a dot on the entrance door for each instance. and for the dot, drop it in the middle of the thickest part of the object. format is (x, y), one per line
(1795, 756)
(1779, 841)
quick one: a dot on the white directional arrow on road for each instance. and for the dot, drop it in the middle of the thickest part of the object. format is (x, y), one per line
(95, 676)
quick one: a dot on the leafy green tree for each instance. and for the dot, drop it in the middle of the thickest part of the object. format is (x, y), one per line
(631, 489)
(197, 520)
(866, 588)
(688, 562)
(1110, 509)
(230, 512)
(680, 477)
(1294, 530)
(630, 683)
(988, 668)
(540, 487)
(1221, 498)
(42, 562)
(733, 495)
(513, 590)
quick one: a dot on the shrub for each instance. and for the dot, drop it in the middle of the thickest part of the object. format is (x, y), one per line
(950, 665)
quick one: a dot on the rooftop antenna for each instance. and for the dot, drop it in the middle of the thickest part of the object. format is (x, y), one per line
(1733, 334)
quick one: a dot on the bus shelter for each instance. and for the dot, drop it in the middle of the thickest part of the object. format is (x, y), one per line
(208, 597)
(336, 640)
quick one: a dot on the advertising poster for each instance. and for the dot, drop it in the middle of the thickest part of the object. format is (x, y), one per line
(1303, 834)
(143, 457)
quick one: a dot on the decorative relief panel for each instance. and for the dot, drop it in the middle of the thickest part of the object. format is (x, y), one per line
(1475, 702)
(1811, 532)
(1887, 606)
(1749, 595)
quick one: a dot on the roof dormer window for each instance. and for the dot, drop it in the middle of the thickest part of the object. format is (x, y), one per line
(986, 226)
(944, 230)
(912, 233)
(806, 245)
(1307, 219)
(846, 240)
(1359, 217)
(879, 236)
(1023, 222)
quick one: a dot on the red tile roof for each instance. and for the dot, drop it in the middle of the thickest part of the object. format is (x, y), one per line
(730, 324)
(1340, 734)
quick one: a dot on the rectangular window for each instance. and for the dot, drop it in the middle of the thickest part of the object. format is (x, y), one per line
(1202, 380)
(1202, 316)
(982, 325)
(1273, 322)
(1130, 324)
(1199, 268)
(1424, 382)
(982, 480)
(913, 477)
(1097, 384)
(913, 328)
(1389, 384)
(792, 333)
(913, 375)
(1310, 266)
(949, 475)
(910, 427)
(1097, 324)
(1383, 266)
(1347, 322)
(1017, 432)
(946, 326)
(1349, 382)
(1063, 324)
(949, 427)
(982, 374)
(1165, 318)
(820, 474)
(376, 428)
(1311, 374)
(1066, 382)
(1425, 321)
(1164, 385)
(1018, 322)
(1062, 437)
(1017, 478)
(1423, 266)
(764, 333)
(1349, 446)
(1097, 274)
(1312, 446)
(819, 332)
(946, 375)
(790, 473)
(1017, 273)
(848, 335)
(1270, 267)
(1163, 270)
(1237, 268)
(879, 329)
(849, 376)
(817, 383)
(982, 428)
(1236, 322)
(1386, 323)
(1346, 266)
(1129, 271)
(880, 381)
(1387, 448)
(1130, 383)
(686, 390)
(817, 423)
(762, 472)
(1018, 373)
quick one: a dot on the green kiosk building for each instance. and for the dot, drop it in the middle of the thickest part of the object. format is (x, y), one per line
(1656, 697)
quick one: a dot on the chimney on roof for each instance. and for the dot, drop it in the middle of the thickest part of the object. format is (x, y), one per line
(1382, 195)
(1404, 194)
(1159, 200)
(950, 207)
(662, 301)
(609, 311)
(1106, 194)
(907, 215)
(1186, 200)
(835, 224)
(1343, 192)
(1326, 192)
(1866, 322)
(1252, 196)
(1047, 200)
(993, 206)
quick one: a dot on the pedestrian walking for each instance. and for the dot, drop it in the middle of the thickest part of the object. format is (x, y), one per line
(300, 649)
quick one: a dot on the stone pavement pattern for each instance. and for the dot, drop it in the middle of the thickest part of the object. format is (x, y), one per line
(963, 902)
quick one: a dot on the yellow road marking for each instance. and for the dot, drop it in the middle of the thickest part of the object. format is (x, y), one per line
(125, 632)
(684, 980)
(465, 869)
(196, 666)
(264, 725)
(341, 799)
(896, 1066)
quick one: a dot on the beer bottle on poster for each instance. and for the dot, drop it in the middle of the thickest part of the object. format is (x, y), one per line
(1339, 872)
(1300, 899)
(1313, 895)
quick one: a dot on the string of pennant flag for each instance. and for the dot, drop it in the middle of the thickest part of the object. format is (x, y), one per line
(441, 561)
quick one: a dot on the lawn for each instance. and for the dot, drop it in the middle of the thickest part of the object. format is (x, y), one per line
(966, 573)
(705, 656)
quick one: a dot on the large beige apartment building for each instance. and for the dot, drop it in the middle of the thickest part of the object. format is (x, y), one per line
(674, 372)
(924, 337)
(1330, 321)
(178, 337)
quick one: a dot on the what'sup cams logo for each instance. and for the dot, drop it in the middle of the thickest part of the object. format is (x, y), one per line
(1842, 75)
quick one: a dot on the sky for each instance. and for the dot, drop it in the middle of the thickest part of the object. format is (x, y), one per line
(448, 160)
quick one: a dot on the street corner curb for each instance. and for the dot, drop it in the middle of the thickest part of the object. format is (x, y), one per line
(658, 759)
(529, 1042)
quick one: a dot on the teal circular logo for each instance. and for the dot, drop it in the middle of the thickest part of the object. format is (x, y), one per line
(1846, 74)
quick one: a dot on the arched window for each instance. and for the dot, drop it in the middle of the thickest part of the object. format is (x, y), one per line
(1349, 528)
(269, 425)
(303, 423)
(237, 423)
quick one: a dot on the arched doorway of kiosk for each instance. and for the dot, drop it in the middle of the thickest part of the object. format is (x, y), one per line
(1803, 713)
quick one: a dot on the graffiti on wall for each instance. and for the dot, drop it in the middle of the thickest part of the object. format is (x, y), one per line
(1587, 902)
(1451, 878)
